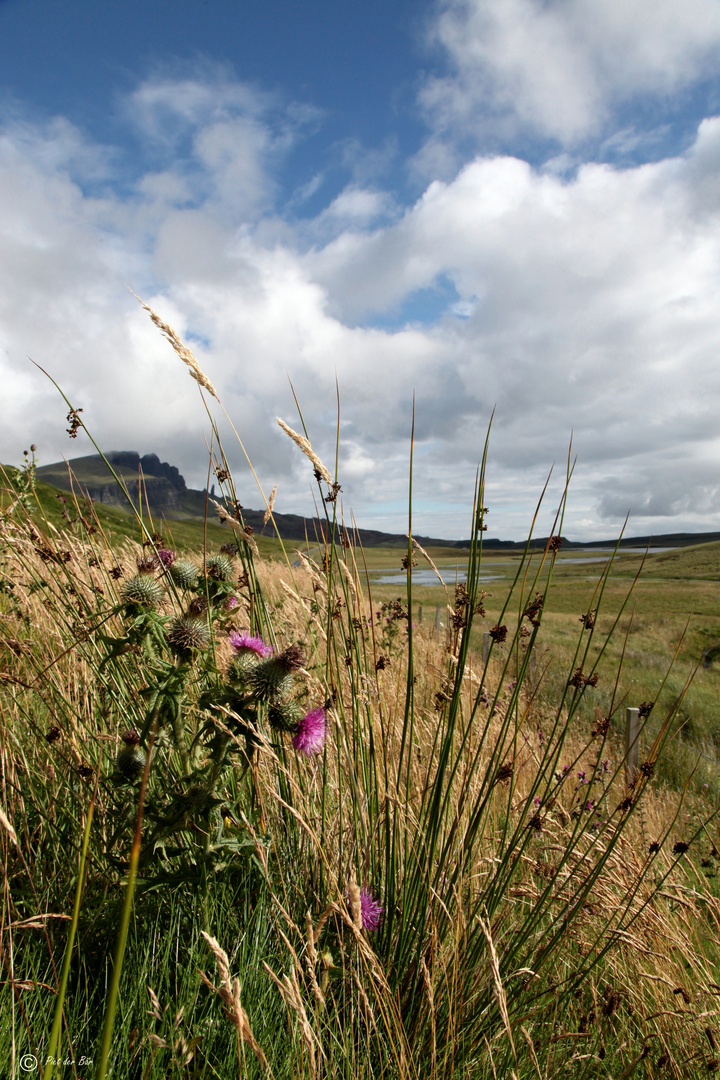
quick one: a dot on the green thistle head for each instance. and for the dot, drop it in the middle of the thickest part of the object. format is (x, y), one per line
(142, 591)
(284, 715)
(184, 573)
(272, 678)
(219, 567)
(130, 762)
(187, 633)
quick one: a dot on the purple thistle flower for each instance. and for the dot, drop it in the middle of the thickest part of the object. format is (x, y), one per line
(231, 602)
(371, 910)
(309, 737)
(247, 643)
(166, 556)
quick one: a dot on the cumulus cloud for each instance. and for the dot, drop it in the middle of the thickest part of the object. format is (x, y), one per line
(582, 303)
(559, 69)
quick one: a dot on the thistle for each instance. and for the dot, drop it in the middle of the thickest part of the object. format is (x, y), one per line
(188, 633)
(130, 761)
(219, 567)
(142, 591)
(309, 737)
(371, 910)
(272, 678)
(184, 573)
(285, 716)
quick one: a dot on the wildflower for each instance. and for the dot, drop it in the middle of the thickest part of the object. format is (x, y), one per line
(582, 777)
(166, 556)
(247, 643)
(230, 603)
(309, 737)
(536, 800)
(371, 910)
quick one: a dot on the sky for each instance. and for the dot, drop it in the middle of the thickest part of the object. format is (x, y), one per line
(502, 210)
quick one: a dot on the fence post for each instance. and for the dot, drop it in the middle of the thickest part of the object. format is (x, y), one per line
(632, 745)
(486, 648)
(419, 614)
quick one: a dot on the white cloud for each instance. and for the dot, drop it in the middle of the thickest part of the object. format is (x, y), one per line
(583, 303)
(558, 68)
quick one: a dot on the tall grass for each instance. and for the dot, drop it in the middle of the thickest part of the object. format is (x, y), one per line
(323, 843)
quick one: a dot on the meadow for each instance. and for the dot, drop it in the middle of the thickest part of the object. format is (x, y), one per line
(261, 819)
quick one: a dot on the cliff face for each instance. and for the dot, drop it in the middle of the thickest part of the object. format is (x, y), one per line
(162, 484)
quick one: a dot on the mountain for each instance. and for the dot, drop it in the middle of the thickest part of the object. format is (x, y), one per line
(164, 490)
(167, 494)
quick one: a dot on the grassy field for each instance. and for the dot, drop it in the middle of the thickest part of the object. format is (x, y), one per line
(260, 819)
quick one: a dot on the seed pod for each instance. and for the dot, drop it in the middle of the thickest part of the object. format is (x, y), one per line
(142, 591)
(184, 573)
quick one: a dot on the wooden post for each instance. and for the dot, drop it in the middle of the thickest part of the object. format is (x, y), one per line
(632, 745)
(486, 648)
(437, 623)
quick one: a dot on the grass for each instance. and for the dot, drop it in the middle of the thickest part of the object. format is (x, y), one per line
(325, 843)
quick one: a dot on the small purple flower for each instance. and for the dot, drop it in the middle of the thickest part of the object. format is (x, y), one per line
(309, 737)
(371, 910)
(582, 778)
(231, 602)
(536, 800)
(166, 556)
(590, 805)
(245, 643)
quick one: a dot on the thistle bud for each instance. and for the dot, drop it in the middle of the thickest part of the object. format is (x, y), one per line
(142, 591)
(272, 678)
(219, 567)
(184, 573)
(130, 762)
(285, 716)
(188, 633)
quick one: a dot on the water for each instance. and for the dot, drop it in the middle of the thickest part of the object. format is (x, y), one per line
(424, 575)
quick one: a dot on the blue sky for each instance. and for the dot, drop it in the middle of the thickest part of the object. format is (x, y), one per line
(508, 204)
